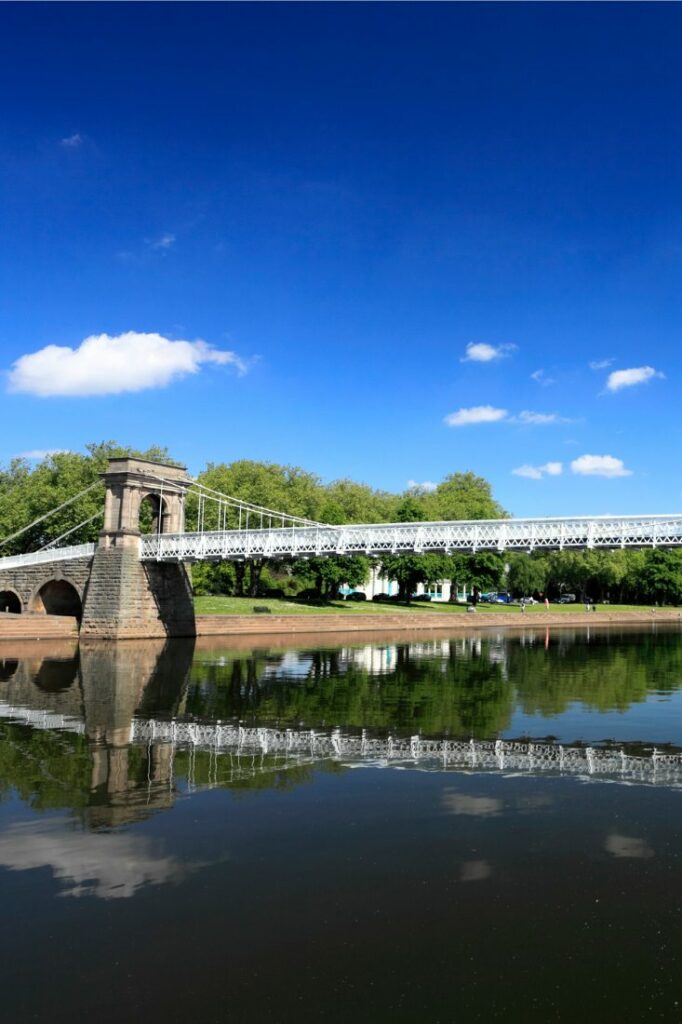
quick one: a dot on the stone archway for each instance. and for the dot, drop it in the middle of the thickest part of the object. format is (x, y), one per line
(153, 514)
(10, 602)
(57, 597)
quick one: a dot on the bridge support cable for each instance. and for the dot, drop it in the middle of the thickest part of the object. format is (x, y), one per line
(245, 511)
(264, 516)
(52, 512)
(86, 522)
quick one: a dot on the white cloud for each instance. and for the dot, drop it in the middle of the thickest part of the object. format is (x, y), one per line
(599, 465)
(600, 364)
(72, 141)
(477, 414)
(166, 241)
(529, 472)
(539, 419)
(540, 377)
(42, 453)
(110, 365)
(627, 378)
(537, 472)
(480, 352)
(427, 485)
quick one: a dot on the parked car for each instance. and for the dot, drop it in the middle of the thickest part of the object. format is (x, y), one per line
(502, 599)
(567, 599)
(528, 600)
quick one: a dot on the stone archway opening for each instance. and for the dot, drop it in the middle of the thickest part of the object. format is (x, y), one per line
(153, 514)
(8, 667)
(56, 674)
(9, 602)
(58, 597)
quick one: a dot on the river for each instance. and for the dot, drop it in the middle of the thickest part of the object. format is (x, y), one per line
(404, 830)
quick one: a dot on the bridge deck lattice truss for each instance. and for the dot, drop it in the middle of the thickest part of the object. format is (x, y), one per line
(383, 538)
(390, 538)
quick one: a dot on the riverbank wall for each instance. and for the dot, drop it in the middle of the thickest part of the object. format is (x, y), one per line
(425, 622)
(53, 627)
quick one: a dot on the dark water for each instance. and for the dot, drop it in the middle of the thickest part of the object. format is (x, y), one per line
(328, 862)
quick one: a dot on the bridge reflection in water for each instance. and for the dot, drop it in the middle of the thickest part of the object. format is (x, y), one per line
(304, 888)
(147, 720)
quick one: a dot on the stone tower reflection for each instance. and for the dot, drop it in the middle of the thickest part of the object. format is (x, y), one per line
(117, 682)
(98, 688)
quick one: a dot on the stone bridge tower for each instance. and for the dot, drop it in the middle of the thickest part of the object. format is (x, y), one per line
(126, 597)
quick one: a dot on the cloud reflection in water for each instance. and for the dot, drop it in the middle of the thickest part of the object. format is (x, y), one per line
(102, 864)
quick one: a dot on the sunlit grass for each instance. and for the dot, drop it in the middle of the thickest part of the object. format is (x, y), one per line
(220, 605)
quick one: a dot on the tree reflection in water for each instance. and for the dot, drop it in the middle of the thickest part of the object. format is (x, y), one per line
(462, 688)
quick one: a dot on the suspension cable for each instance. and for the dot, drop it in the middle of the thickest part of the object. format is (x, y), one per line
(73, 529)
(47, 515)
(259, 509)
(203, 492)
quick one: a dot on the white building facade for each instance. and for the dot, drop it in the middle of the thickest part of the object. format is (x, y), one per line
(378, 584)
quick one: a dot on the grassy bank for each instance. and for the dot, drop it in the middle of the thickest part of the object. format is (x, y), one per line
(278, 606)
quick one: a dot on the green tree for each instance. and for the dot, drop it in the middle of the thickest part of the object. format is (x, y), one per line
(287, 489)
(527, 574)
(327, 574)
(28, 492)
(461, 496)
(661, 576)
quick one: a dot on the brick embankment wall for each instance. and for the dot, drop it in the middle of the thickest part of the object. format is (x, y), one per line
(241, 625)
(37, 627)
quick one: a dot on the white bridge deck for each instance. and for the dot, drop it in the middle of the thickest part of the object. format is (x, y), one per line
(48, 555)
(390, 538)
(383, 538)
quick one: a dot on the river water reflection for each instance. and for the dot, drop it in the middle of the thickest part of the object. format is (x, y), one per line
(467, 828)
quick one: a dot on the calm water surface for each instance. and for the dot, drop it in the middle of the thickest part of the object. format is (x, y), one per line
(326, 862)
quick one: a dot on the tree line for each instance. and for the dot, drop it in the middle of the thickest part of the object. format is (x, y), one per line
(29, 490)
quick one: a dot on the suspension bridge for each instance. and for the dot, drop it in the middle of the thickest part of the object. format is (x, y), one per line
(130, 584)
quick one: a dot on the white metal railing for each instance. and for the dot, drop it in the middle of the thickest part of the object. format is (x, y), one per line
(51, 555)
(381, 538)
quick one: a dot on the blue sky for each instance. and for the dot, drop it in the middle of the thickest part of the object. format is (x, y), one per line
(358, 221)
